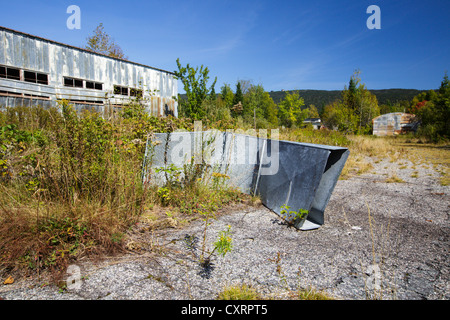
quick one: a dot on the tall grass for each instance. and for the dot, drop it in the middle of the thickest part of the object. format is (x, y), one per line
(70, 183)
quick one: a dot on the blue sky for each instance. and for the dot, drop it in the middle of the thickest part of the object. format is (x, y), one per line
(279, 44)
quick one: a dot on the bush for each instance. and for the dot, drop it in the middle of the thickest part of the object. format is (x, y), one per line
(70, 183)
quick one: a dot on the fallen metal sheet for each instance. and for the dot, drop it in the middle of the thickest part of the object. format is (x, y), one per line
(299, 175)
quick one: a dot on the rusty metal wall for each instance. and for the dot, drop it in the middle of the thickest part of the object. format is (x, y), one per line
(58, 60)
(394, 123)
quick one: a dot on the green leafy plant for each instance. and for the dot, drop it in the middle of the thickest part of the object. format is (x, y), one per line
(195, 85)
(292, 216)
(223, 245)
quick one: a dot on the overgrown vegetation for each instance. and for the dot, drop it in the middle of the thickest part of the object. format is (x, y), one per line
(433, 109)
(101, 42)
(353, 113)
(71, 185)
(350, 112)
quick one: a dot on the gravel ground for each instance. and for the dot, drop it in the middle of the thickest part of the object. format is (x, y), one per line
(401, 252)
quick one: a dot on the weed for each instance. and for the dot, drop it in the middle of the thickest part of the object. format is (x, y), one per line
(280, 271)
(310, 293)
(222, 246)
(70, 183)
(239, 292)
(293, 217)
(394, 179)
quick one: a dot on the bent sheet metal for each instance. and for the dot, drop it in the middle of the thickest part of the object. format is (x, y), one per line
(299, 175)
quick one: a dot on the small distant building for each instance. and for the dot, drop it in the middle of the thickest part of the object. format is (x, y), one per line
(395, 123)
(315, 122)
(38, 71)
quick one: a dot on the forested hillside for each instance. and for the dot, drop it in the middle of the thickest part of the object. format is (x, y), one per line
(321, 98)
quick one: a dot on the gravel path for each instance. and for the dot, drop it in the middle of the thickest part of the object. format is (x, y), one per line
(401, 252)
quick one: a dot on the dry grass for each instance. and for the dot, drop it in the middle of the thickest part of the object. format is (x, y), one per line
(365, 149)
(430, 156)
(394, 179)
(239, 292)
(312, 294)
(245, 292)
(39, 236)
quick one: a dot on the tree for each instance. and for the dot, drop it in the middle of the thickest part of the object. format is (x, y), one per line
(290, 110)
(445, 84)
(238, 96)
(435, 114)
(101, 42)
(195, 85)
(212, 94)
(238, 100)
(338, 116)
(312, 112)
(227, 95)
(259, 108)
(355, 110)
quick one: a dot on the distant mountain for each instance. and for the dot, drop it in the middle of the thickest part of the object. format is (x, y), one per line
(321, 98)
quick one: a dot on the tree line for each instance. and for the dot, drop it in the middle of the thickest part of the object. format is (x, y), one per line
(247, 105)
(349, 111)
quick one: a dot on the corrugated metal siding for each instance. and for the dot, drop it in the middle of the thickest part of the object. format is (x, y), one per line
(58, 60)
(393, 124)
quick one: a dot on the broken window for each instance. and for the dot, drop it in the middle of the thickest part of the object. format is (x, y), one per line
(135, 93)
(68, 82)
(121, 90)
(78, 83)
(29, 76)
(72, 82)
(35, 77)
(9, 93)
(85, 101)
(89, 85)
(42, 78)
(35, 96)
(9, 73)
(94, 85)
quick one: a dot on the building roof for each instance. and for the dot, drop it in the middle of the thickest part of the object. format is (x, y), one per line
(80, 49)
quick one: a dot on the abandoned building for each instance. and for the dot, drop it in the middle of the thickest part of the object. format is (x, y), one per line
(37, 71)
(316, 123)
(390, 124)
